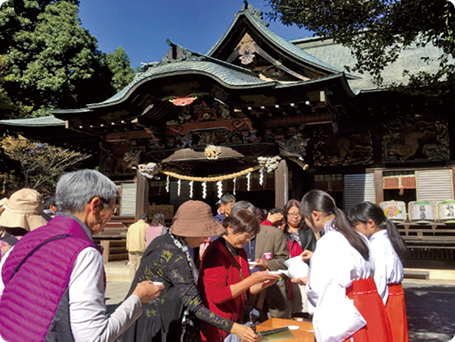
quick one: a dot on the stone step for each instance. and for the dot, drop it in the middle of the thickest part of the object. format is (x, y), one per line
(429, 274)
(120, 271)
(117, 271)
(416, 274)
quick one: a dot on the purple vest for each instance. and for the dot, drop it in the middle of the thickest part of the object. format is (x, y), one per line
(30, 299)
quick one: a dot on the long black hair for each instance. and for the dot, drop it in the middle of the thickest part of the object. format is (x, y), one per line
(365, 211)
(318, 200)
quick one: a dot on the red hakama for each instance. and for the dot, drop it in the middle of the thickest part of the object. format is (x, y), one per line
(369, 304)
(396, 312)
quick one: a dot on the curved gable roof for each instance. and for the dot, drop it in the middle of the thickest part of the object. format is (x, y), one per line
(43, 121)
(254, 16)
(231, 76)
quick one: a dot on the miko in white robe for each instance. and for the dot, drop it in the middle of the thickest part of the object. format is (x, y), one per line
(334, 265)
(388, 266)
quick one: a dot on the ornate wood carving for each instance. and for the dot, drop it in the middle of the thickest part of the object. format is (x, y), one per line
(348, 147)
(308, 119)
(230, 125)
(122, 136)
(294, 146)
(121, 158)
(247, 49)
(407, 139)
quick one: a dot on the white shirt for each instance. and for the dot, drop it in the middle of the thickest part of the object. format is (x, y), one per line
(87, 309)
(334, 265)
(387, 263)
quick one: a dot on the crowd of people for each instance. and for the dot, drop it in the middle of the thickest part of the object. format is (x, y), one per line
(205, 277)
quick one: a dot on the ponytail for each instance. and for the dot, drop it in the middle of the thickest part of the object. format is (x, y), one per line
(342, 224)
(395, 238)
(365, 211)
(318, 200)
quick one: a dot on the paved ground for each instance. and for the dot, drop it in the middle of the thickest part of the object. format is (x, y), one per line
(430, 306)
(115, 293)
(430, 310)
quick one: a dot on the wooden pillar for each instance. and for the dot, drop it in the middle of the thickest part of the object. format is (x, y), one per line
(453, 183)
(281, 184)
(142, 194)
(106, 250)
(378, 186)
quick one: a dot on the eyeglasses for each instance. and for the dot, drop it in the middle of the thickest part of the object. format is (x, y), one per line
(294, 214)
(114, 211)
(248, 237)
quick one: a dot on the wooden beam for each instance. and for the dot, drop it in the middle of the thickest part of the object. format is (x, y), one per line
(281, 184)
(106, 250)
(378, 186)
(453, 181)
(121, 136)
(141, 194)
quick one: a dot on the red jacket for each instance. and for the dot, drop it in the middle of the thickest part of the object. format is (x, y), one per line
(216, 274)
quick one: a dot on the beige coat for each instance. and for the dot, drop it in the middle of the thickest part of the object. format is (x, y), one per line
(135, 237)
(272, 240)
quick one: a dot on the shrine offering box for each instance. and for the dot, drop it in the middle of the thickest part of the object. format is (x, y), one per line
(394, 210)
(422, 212)
(446, 211)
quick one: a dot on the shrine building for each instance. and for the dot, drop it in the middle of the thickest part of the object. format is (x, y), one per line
(268, 119)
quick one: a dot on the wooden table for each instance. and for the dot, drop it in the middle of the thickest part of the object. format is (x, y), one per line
(304, 334)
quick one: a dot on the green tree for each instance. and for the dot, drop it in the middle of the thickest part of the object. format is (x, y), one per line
(120, 66)
(54, 61)
(377, 31)
(9, 109)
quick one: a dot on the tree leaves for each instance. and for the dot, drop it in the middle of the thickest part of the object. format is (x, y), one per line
(56, 62)
(119, 64)
(41, 164)
(377, 31)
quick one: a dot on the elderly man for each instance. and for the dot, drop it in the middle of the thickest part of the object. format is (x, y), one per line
(52, 282)
(226, 202)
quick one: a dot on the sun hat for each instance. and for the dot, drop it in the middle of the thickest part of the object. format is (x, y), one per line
(195, 219)
(2, 201)
(24, 209)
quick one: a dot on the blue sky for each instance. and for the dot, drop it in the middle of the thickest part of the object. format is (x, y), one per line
(141, 27)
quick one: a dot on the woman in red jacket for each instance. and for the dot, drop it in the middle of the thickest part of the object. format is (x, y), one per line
(224, 276)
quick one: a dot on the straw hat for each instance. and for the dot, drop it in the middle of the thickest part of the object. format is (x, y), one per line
(195, 219)
(24, 209)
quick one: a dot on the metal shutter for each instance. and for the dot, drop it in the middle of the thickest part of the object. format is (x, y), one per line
(434, 185)
(128, 199)
(358, 188)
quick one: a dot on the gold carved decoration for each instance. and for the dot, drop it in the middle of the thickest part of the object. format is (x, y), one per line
(247, 49)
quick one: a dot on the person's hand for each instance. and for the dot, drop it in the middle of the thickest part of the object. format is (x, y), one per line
(306, 254)
(265, 277)
(275, 217)
(244, 333)
(300, 281)
(262, 264)
(146, 291)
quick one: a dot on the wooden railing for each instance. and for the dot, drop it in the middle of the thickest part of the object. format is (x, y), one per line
(429, 241)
